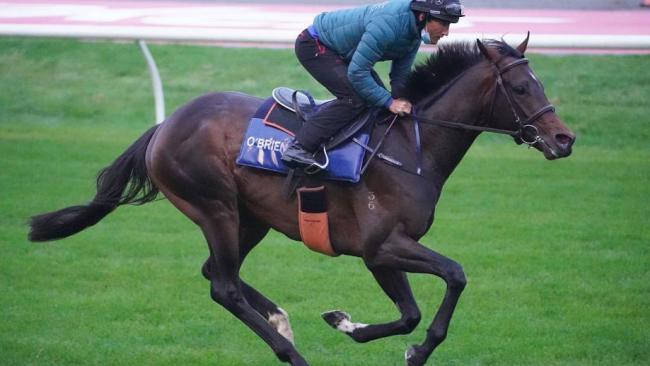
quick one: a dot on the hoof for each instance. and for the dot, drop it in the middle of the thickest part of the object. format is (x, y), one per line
(335, 318)
(413, 357)
(340, 321)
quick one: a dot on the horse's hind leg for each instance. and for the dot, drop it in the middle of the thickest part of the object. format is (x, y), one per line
(396, 286)
(275, 315)
(221, 231)
(251, 232)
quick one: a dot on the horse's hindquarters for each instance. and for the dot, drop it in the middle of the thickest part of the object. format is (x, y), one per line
(192, 155)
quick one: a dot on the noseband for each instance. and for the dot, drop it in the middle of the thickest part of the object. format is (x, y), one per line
(524, 127)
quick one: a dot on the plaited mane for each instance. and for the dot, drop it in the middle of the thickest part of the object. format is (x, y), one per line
(448, 62)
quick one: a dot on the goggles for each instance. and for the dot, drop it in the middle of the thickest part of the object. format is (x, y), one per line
(453, 9)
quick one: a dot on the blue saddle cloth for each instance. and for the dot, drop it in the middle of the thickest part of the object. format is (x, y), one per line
(270, 131)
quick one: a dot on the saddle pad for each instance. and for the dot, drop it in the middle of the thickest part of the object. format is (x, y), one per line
(266, 139)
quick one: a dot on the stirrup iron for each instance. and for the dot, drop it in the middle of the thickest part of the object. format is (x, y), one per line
(316, 167)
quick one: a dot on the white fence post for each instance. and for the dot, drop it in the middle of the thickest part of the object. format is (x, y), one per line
(159, 97)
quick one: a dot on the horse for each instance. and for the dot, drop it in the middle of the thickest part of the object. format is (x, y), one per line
(462, 90)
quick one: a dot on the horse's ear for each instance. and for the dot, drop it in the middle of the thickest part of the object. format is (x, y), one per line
(485, 51)
(522, 47)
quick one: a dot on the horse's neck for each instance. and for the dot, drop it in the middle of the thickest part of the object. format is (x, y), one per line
(443, 147)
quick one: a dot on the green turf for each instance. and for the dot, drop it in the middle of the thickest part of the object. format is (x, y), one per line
(556, 253)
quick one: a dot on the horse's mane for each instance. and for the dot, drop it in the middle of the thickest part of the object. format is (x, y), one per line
(449, 61)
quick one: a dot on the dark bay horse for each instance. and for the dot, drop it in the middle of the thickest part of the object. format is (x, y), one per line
(460, 91)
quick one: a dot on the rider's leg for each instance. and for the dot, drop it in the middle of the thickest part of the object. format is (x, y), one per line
(330, 70)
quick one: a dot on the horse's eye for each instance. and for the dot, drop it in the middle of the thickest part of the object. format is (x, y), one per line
(518, 89)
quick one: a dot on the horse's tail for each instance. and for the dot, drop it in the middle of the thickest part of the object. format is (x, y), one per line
(123, 182)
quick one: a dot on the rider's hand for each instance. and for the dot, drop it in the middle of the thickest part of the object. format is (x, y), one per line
(400, 106)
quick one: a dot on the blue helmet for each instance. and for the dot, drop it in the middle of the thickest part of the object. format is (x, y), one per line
(445, 10)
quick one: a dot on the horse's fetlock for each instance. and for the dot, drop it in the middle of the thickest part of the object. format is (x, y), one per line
(415, 356)
(280, 321)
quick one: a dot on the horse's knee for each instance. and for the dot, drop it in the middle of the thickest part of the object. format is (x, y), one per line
(455, 277)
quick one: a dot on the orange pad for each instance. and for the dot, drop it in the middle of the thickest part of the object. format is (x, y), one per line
(314, 231)
(313, 221)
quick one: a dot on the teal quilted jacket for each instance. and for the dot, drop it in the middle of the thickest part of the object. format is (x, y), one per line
(365, 35)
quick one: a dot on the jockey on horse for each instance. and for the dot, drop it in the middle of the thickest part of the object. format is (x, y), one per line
(340, 49)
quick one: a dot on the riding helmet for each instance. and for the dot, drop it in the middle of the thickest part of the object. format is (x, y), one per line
(445, 10)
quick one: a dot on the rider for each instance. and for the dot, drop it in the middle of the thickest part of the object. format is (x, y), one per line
(340, 49)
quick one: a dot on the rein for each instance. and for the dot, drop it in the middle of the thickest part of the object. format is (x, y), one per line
(462, 126)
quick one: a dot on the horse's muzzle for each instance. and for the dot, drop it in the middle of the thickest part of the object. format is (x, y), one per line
(564, 143)
(556, 146)
(554, 139)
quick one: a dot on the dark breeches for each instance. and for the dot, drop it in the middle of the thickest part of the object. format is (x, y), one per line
(329, 69)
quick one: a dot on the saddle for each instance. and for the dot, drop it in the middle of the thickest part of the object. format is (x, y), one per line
(303, 104)
(275, 123)
(294, 100)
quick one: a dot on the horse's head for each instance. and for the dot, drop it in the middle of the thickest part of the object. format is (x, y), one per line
(519, 102)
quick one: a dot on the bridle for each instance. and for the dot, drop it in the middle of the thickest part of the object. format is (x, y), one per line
(526, 124)
(524, 127)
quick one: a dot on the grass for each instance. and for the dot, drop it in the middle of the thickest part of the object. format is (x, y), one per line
(556, 254)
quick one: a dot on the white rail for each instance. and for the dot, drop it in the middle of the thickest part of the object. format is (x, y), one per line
(288, 36)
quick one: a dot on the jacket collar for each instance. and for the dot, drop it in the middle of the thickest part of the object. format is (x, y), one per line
(413, 26)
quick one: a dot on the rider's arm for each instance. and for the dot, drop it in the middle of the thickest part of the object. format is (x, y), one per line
(399, 71)
(369, 51)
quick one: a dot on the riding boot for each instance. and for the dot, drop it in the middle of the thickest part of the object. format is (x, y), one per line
(296, 155)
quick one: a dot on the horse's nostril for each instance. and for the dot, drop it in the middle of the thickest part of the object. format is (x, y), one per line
(563, 140)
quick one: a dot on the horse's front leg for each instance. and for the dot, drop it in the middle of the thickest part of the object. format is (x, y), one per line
(402, 253)
(396, 286)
